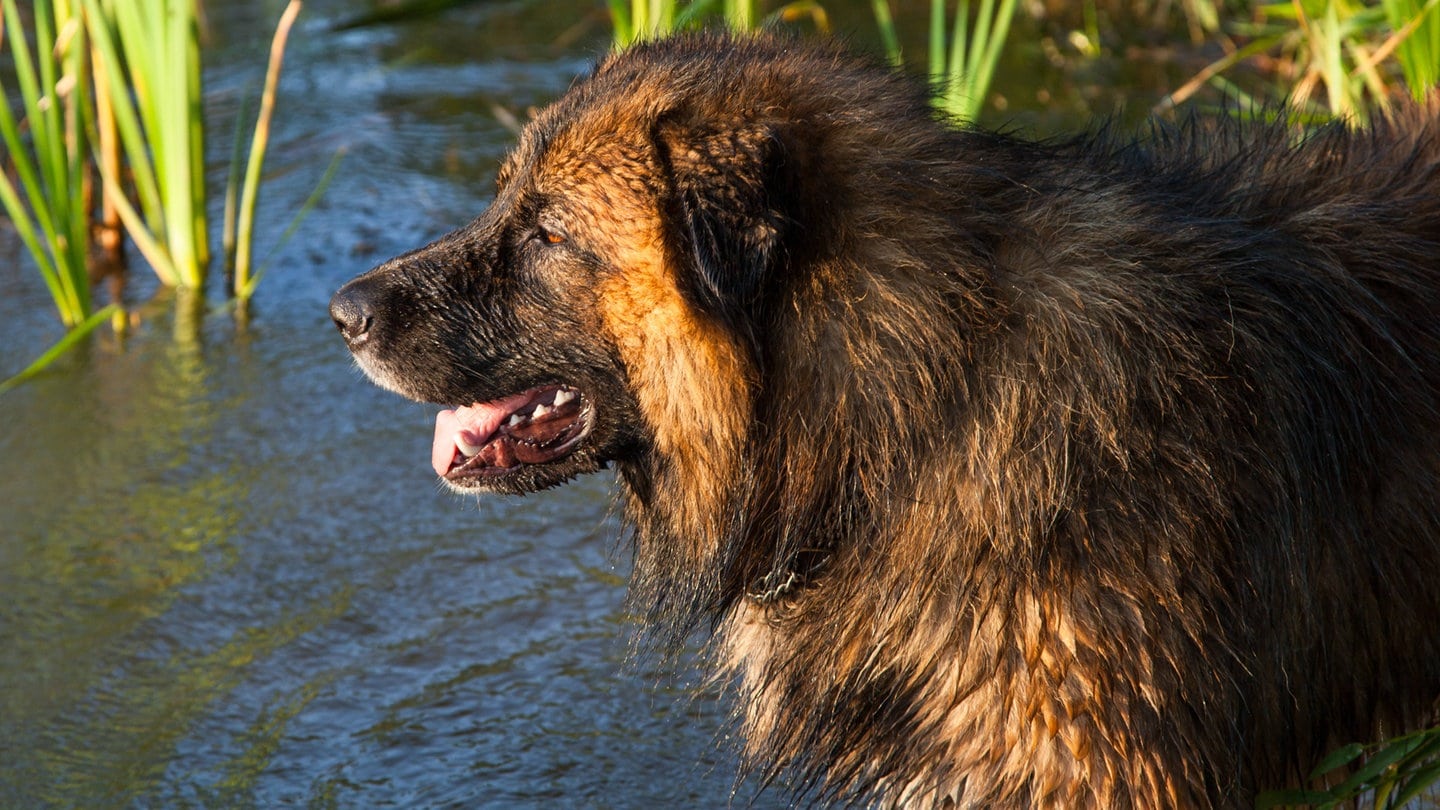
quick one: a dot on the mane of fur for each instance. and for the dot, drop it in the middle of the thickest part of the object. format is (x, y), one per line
(1098, 473)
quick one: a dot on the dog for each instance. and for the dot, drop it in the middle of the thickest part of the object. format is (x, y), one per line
(1101, 472)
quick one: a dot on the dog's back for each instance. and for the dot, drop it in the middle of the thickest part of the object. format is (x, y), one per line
(1193, 482)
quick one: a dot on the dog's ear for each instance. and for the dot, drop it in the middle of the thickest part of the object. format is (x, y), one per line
(724, 205)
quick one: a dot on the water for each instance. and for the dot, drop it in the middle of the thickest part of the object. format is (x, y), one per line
(229, 577)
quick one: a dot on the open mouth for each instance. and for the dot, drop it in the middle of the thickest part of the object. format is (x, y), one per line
(495, 438)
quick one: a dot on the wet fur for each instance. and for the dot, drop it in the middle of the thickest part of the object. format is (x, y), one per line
(1099, 473)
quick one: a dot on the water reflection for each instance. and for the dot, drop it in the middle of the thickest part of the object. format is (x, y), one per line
(112, 509)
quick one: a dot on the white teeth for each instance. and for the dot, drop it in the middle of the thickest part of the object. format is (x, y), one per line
(540, 412)
(465, 447)
(562, 397)
(515, 419)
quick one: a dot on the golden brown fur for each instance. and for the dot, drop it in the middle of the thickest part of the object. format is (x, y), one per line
(1085, 474)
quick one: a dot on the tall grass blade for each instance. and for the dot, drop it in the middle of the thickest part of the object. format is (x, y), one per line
(48, 205)
(150, 247)
(295, 222)
(1418, 51)
(961, 72)
(936, 66)
(78, 332)
(244, 283)
(648, 19)
(1212, 71)
(232, 192)
(993, 46)
(70, 310)
(145, 226)
(957, 64)
(24, 225)
(71, 98)
(1417, 784)
(974, 54)
(885, 22)
(740, 14)
(175, 85)
(621, 21)
(639, 20)
(149, 59)
(1340, 757)
(652, 18)
(1332, 65)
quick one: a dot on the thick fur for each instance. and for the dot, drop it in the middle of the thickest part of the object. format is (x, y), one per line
(1085, 474)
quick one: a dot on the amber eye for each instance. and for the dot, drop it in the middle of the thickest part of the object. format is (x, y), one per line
(548, 236)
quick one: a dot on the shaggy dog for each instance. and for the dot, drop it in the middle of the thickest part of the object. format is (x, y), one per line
(1083, 474)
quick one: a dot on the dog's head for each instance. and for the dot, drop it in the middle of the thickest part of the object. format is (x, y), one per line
(604, 306)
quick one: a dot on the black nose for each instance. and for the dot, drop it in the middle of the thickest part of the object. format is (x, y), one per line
(353, 313)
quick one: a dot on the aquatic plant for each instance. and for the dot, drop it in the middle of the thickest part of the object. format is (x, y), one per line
(1393, 773)
(48, 199)
(147, 71)
(114, 89)
(1417, 27)
(1339, 49)
(961, 62)
(148, 59)
(240, 218)
(648, 19)
(637, 20)
(75, 334)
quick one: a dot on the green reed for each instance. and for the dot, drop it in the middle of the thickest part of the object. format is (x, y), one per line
(1393, 773)
(966, 74)
(642, 19)
(962, 57)
(1331, 42)
(113, 89)
(637, 20)
(740, 14)
(1344, 55)
(963, 54)
(48, 199)
(148, 54)
(1417, 25)
(239, 223)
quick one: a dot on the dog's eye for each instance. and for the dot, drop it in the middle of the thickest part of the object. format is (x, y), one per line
(548, 236)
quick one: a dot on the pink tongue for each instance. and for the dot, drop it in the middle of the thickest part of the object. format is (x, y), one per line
(477, 423)
(442, 452)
